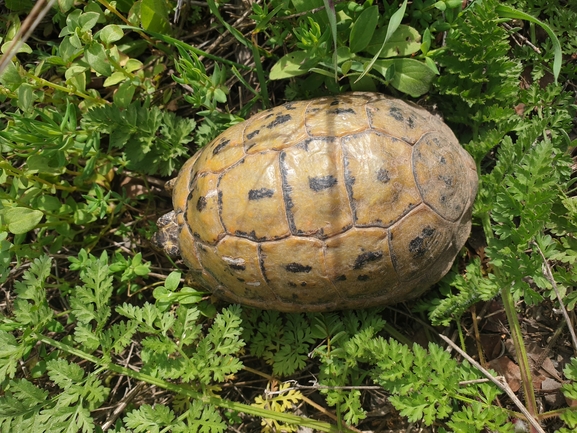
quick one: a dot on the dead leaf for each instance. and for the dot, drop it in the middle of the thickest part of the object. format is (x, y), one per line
(509, 370)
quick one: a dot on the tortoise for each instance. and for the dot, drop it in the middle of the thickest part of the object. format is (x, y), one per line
(339, 202)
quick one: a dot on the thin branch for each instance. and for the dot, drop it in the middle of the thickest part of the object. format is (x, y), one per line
(122, 404)
(501, 385)
(523, 38)
(30, 23)
(549, 276)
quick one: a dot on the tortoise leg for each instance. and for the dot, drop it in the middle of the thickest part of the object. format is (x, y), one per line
(166, 238)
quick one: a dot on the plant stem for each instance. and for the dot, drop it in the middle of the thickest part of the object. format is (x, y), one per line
(184, 389)
(522, 359)
(515, 328)
(67, 90)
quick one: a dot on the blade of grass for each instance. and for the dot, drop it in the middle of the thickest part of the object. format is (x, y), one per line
(265, 22)
(247, 43)
(245, 83)
(172, 41)
(509, 12)
(519, 344)
(394, 24)
(332, 16)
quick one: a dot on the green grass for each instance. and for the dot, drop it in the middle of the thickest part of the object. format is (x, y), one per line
(105, 101)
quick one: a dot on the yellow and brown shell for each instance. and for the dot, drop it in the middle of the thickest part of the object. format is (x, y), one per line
(339, 202)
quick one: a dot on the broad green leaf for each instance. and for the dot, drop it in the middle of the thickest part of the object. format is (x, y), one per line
(23, 48)
(26, 97)
(394, 24)
(442, 6)
(19, 5)
(75, 41)
(74, 70)
(172, 281)
(154, 15)
(343, 54)
(346, 67)
(10, 77)
(47, 202)
(411, 76)
(88, 20)
(65, 5)
(124, 5)
(76, 77)
(188, 295)
(219, 95)
(404, 42)
(78, 82)
(289, 66)
(123, 96)
(51, 164)
(452, 4)
(67, 51)
(431, 64)
(22, 219)
(364, 29)
(133, 65)
(427, 39)
(114, 79)
(95, 56)
(111, 33)
(367, 84)
(73, 19)
(509, 12)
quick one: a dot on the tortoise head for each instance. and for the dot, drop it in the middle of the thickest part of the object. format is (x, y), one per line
(166, 238)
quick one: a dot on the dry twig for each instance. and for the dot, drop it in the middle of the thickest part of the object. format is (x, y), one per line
(500, 384)
(549, 275)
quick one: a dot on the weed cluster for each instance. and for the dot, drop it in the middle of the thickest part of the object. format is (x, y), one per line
(106, 97)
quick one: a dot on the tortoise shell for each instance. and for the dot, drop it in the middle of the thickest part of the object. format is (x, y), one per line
(338, 202)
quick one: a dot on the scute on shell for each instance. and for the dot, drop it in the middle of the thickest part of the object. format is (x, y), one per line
(339, 202)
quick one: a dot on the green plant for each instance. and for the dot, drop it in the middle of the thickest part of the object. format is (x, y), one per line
(107, 96)
(357, 33)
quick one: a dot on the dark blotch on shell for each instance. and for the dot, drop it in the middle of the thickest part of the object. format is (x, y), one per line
(396, 114)
(417, 245)
(447, 180)
(252, 134)
(383, 175)
(297, 267)
(322, 182)
(220, 146)
(201, 203)
(251, 235)
(364, 258)
(257, 194)
(279, 120)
